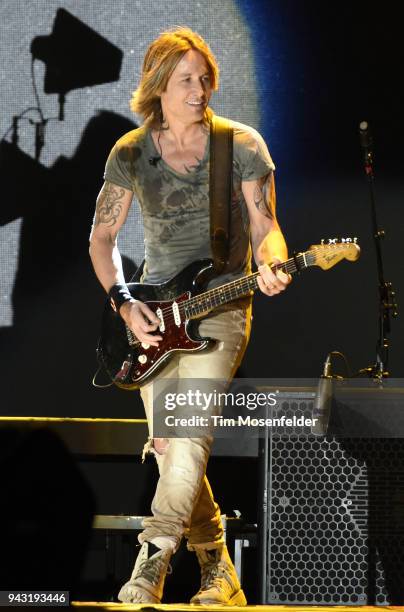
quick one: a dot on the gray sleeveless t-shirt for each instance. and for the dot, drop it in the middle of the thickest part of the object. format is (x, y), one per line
(175, 206)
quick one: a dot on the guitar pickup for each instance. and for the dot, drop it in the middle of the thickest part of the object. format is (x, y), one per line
(162, 326)
(176, 313)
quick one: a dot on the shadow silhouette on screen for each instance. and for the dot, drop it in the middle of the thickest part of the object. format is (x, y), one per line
(49, 352)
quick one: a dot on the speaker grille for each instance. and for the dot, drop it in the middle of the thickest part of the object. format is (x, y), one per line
(336, 508)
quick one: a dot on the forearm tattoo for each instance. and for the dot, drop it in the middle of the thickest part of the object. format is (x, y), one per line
(109, 205)
(264, 196)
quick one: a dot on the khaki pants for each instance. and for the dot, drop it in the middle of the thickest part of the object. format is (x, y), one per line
(183, 503)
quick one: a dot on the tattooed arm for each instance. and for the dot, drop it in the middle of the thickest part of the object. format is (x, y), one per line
(111, 210)
(267, 240)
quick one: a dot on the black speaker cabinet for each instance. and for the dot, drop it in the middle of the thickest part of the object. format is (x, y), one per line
(333, 513)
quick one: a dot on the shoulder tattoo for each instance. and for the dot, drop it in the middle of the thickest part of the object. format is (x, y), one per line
(264, 196)
(109, 204)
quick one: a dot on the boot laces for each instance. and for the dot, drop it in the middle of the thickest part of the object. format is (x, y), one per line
(212, 574)
(153, 568)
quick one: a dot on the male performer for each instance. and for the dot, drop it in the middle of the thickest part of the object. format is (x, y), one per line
(165, 163)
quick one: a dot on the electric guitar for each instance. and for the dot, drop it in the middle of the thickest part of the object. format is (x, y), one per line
(180, 303)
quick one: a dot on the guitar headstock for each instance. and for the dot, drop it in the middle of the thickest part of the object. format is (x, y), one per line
(329, 253)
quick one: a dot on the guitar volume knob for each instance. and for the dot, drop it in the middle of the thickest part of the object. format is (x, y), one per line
(142, 358)
(145, 346)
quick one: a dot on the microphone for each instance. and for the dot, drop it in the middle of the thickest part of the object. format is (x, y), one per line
(153, 161)
(322, 401)
(366, 141)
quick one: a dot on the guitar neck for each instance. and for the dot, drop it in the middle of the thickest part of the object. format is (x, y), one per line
(207, 301)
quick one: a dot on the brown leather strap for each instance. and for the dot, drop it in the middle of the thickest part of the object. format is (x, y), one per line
(220, 189)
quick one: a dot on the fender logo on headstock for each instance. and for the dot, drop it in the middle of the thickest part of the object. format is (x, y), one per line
(329, 258)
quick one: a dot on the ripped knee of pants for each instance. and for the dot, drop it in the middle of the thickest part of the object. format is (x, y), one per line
(160, 445)
(156, 446)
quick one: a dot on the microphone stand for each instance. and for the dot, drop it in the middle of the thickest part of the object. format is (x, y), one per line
(387, 299)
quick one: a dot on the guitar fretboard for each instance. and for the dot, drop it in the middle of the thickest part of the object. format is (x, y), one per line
(241, 287)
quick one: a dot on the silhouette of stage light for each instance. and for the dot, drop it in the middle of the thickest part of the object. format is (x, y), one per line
(75, 56)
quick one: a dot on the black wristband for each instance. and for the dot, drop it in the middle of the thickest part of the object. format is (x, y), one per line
(118, 295)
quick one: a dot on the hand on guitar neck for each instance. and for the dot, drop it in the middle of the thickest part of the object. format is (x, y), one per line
(141, 320)
(271, 282)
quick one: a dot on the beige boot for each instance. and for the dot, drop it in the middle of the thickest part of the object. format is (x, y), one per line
(147, 580)
(219, 581)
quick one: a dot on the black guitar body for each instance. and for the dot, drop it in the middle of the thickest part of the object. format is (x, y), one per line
(180, 303)
(127, 362)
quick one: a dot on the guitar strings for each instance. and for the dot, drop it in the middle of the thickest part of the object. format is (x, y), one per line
(288, 266)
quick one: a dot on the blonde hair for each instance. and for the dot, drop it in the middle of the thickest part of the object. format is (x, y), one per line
(159, 63)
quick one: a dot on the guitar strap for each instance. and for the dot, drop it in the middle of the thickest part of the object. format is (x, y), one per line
(220, 189)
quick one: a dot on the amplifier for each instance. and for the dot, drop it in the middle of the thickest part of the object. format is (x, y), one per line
(332, 509)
